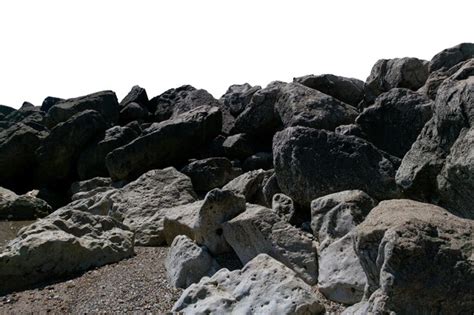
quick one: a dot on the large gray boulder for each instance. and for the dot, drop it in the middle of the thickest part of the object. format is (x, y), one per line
(311, 163)
(260, 230)
(62, 244)
(263, 286)
(104, 102)
(24, 207)
(452, 56)
(395, 120)
(250, 185)
(238, 96)
(417, 258)
(165, 143)
(186, 262)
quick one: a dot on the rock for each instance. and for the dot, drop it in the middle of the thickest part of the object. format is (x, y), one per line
(395, 120)
(260, 230)
(451, 56)
(133, 112)
(263, 286)
(58, 154)
(17, 155)
(91, 162)
(136, 95)
(299, 105)
(104, 102)
(347, 90)
(146, 197)
(417, 258)
(283, 206)
(31, 117)
(439, 166)
(269, 189)
(165, 143)
(210, 173)
(350, 130)
(186, 262)
(24, 207)
(91, 187)
(335, 215)
(49, 102)
(259, 160)
(27, 106)
(5, 110)
(202, 221)
(386, 74)
(248, 184)
(312, 163)
(238, 146)
(238, 96)
(63, 244)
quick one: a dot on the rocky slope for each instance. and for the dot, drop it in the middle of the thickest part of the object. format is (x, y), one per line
(325, 194)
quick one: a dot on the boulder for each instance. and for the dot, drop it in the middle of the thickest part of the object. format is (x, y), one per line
(283, 206)
(238, 96)
(104, 102)
(186, 262)
(347, 90)
(24, 207)
(133, 112)
(136, 95)
(263, 286)
(269, 189)
(210, 173)
(395, 120)
(238, 146)
(311, 163)
(202, 221)
(5, 110)
(259, 160)
(417, 258)
(451, 56)
(165, 143)
(91, 162)
(249, 184)
(350, 130)
(49, 102)
(260, 230)
(91, 187)
(58, 154)
(63, 244)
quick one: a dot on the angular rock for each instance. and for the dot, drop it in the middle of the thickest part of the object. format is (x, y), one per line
(238, 96)
(136, 95)
(210, 173)
(63, 244)
(248, 184)
(395, 120)
(49, 102)
(186, 262)
(260, 230)
(350, 130)
(166, 143)
(259, 160)
(263, 286)
(451, 56)
(417, 258)
(5, 110)
(238, 146)
(283, 206)
(24, 207)
(133, 112)
(104, 102)
(312, 163)
(269, 189)
(347, 90)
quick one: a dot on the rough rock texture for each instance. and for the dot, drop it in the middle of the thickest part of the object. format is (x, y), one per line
(49, 102)
(202, 221)
(283, 207)
(238, 146)
(167, 143)
(263, 286)
(249, 184)
(347, 90)
(25, 207)
(104, 102)
(259, 160)
(269, 189)
(259, 230)
(238, 96)
(395, 120)
(449, 57)
(133, 112)
(64, 243)
(439, 166)
(417, 258)
(210, 173)
(136, 95)
(312, 163)
(186, 262)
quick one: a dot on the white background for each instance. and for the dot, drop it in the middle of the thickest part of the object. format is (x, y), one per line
(71, 48)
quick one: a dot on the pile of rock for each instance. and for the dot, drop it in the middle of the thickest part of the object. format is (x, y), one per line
(308, 185)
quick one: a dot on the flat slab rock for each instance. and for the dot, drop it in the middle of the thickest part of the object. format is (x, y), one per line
(263, 286)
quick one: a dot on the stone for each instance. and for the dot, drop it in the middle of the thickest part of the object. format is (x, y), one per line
(91, 162)
(60, 150)
(5, 110)
(133, 112)
(104, 102)
(238, 146)
(186, 262)
(210, 173)
(417, 258)
(449, 57)
(24, 207)
(395, 120)
(248, 184)
(269, 189)
(263, 286)
(202, 221)
(49, 102)
(259, 160)
(63, 244)
(350, 130)
(347, 90)
(260, 230)
(136, 95)
(311, 163)
(283, 206)
(238, 96)
(165, 143)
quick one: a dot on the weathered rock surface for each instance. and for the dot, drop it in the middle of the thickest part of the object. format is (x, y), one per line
(449, 57)
(417, 258)
(263, 286)
(62, 244)
(186, 262)
(283, 206)
(133, 112)
(238, 146)
(166, 143)
(238, 96)
(311, 163)
(136, 95)
(24, 207)
(260, 230)
(49, 102)
(249, 185)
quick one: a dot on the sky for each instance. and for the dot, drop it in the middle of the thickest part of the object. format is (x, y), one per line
(69, 48)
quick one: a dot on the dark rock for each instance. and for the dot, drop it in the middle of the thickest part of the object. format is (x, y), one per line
(238, 146)
(269, 189)
(136, 95)
(311, 163)
(166, 143)
(24, 207)
(238, 96)
(347, 90)
(451, 56)
(28, 106)
(284, 207)
(350, 130)
(259, 160)
(132, 112)
(395, 120)
(49, 102)
(29, 116)
(5, 110)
